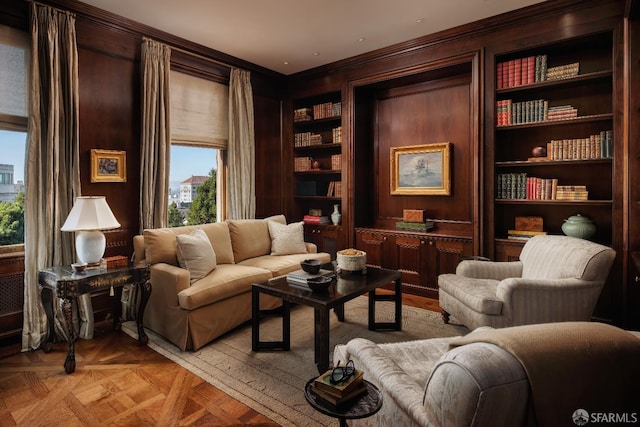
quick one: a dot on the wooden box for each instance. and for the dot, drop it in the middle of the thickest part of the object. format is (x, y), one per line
(116, 261)
(413, 215)
(528, 223)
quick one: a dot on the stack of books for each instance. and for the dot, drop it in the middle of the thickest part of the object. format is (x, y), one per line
(316, 219)
(526, 227)
(524, 234)
(300, 277)
(414, 220)
(342, 392)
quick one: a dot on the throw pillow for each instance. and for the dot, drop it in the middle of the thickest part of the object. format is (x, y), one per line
(287, 239)
(195, 254)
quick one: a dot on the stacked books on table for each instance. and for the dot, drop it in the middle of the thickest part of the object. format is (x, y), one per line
(300, 277)
(342, 392)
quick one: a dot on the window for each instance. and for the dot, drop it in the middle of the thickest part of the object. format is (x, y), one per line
(14, 72)
(199, 135)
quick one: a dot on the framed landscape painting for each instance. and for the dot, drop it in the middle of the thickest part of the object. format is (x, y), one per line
(421, 170)
(108, 166)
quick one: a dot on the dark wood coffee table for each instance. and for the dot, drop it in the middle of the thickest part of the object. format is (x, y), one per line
(347, 286)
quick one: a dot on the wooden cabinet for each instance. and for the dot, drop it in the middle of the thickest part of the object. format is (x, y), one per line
(420, 257)
(325, 237)
(571, 116)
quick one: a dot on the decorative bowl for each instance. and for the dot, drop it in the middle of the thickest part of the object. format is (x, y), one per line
(351, 260)
(319, 284)
(311, 266)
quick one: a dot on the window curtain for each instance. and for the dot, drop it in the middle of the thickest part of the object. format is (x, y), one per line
(242, 200)
(155, 143)
(52, 165)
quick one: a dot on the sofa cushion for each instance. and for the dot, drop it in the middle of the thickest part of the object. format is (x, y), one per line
(160, 243)
(195, 253)
(224, 282)
(280, 265)
(250, 237)
(287, 239)
(477, 294)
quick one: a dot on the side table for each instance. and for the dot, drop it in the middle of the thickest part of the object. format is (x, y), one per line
(62, 282)
(361, 407)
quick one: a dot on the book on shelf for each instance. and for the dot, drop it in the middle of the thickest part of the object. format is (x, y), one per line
(315, 219)
(302, 115)
(300, 276)
(359, 390)
(415, 226)
(529, 233)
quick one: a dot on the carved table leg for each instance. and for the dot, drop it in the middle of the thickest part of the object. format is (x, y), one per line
(47, 303)
(117, 308)
(70, 361)
(145, 292)
(445, 317)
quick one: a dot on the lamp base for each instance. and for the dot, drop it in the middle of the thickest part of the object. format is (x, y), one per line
(90, 246)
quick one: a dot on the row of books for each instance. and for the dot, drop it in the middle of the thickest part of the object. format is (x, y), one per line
(597, 146)
(326, 110)
(336, 134)
(335, 189)
(531, 69)
(520, 186)
(306, 139)
(301, 164)
(302, 114)
(538, 110)
(342, 392)
(336, 162)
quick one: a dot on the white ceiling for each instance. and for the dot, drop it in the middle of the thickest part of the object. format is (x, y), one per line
(289, 36)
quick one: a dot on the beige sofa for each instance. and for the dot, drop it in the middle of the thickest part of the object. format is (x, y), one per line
(517, 376)
(191, 312)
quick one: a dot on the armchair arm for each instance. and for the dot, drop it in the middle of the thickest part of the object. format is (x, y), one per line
(489, 269)
(312, 248)
(167, 281)
(529, 301)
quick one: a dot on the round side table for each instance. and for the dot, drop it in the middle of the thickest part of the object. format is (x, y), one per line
(363, 406)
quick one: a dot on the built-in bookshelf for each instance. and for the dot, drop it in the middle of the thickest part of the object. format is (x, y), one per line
(554, 145)
(317, 167)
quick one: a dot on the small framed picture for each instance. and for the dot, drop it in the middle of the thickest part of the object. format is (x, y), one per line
(108, 166)
(421, 170)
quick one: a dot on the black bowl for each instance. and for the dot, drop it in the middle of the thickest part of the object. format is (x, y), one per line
(311, 266)
(319, 284)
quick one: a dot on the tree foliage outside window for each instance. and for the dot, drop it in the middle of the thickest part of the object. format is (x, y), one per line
(12, 221)
(176, 219)
(203, 208)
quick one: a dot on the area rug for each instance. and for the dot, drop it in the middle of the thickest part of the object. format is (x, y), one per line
(272, 382)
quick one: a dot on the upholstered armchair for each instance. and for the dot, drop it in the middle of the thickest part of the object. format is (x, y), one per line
(557, 279)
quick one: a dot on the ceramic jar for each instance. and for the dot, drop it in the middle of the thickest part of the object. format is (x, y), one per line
(578, 226)
(336, 216)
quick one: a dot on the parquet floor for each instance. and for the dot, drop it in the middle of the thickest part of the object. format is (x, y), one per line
(117, 383)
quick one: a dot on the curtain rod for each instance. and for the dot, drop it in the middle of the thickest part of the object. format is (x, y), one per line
(196, 55)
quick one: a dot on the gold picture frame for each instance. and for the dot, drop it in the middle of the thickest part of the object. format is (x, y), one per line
(108, 166)
(421, 170)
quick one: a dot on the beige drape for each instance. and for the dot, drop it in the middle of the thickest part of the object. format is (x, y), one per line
(155, 140)
(53, 175)
(242, 200)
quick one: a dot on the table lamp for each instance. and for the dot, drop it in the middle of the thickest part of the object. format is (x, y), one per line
(90, 215)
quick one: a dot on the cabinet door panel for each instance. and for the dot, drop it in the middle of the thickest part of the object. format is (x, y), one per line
(409, 258)
(374, 245)
(445, 255)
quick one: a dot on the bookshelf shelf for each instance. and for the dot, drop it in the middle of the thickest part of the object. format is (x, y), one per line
(320, 198)
(319, 147)
(598, 75)
(582, 105)
(318, 172)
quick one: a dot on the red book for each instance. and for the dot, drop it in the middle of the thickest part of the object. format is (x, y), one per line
(517, 74)
(511, 67)
(499, 75)
(531, 70)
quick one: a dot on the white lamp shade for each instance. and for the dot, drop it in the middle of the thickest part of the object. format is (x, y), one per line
(90, 213)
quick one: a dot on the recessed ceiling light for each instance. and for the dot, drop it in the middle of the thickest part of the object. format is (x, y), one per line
(361, 39)
(286, 62)
(316, 54)
(419, 20)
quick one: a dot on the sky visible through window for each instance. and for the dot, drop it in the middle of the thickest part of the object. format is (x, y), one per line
(12, 152)
(188, 161)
